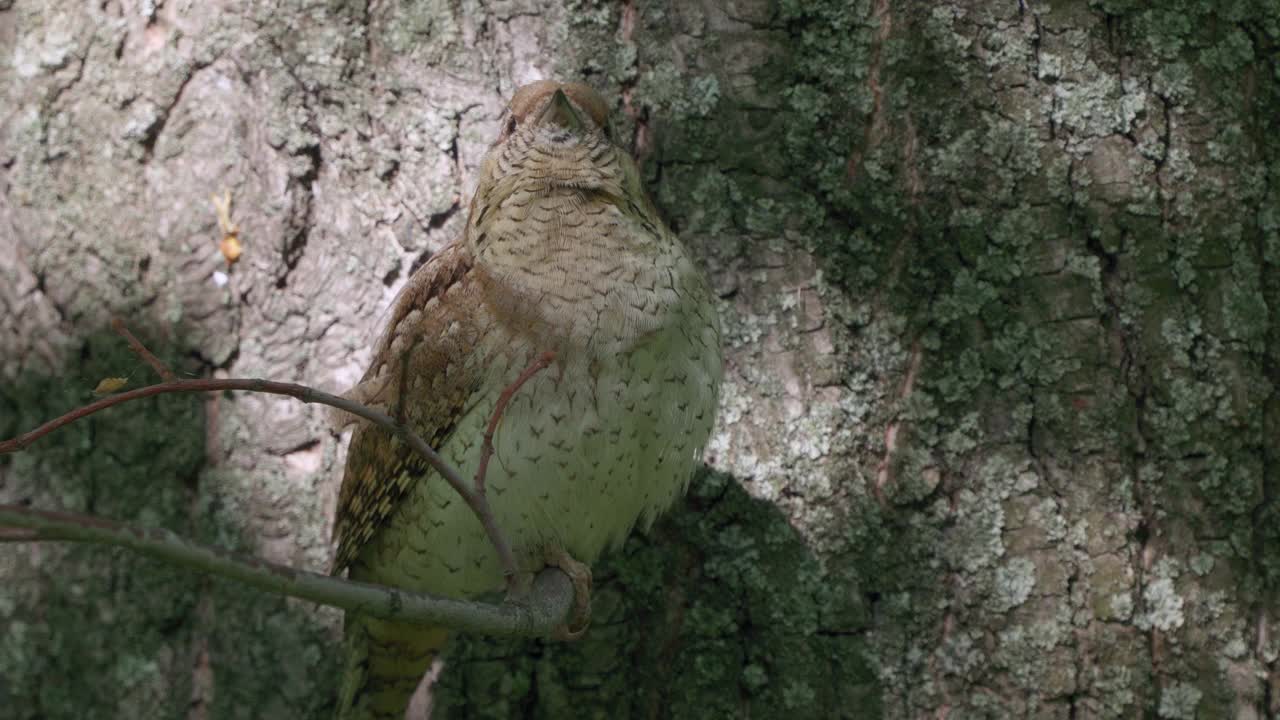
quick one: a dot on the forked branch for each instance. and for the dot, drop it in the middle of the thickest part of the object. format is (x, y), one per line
(517, 584)
(141, 350)
(486, 449)
(551, 602)
(545, 610)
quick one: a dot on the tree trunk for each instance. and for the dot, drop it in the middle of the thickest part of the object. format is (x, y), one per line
(1000, 433)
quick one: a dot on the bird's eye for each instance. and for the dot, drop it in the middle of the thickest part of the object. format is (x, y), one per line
(511, 124)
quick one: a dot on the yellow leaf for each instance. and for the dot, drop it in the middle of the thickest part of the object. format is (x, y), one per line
(230, 244)
(222, 206)
(110, 385)
(230, 248)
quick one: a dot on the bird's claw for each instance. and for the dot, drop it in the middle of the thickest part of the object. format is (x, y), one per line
(580, 575)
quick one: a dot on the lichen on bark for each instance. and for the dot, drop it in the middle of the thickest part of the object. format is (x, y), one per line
(997, 284)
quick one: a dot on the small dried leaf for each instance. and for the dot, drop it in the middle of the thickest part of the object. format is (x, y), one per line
(222, 206)
(230, 244)
(231, 248)
(110, 385)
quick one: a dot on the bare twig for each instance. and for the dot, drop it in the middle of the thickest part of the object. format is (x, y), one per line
(141, 350)
(486, 448)
(29, 524)
(474, 500)
(8, 534)
(541, 613)
(517, 584)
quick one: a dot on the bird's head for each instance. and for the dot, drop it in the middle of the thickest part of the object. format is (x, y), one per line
(558, 211)
(554, 134)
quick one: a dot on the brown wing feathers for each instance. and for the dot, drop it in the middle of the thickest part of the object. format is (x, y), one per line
(380, 469)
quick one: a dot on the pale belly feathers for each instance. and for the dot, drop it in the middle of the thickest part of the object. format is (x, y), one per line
(585, 451)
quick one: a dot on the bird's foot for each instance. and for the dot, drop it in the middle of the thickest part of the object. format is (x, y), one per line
(580, 575)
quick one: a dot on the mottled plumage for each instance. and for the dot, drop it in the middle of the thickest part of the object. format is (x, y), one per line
(562, 251)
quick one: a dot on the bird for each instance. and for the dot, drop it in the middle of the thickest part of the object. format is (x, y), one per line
(563, 254)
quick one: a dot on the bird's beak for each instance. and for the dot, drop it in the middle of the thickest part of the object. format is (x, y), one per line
(561, 112)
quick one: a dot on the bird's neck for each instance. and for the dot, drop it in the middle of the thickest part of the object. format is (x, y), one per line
(577, 268)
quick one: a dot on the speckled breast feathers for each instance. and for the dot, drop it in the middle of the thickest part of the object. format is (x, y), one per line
(562, 251)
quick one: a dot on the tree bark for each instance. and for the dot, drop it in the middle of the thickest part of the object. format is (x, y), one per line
(1000, 433)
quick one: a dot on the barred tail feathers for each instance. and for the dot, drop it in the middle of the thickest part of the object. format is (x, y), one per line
(384, 663)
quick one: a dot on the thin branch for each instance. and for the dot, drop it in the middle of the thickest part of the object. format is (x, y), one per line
(517, 583)
(29, 524)
(141, 351)
(539, 615)
(13, 534)
(486, 448)
(476, 501)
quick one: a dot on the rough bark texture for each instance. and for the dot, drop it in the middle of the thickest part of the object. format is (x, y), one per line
(1001, 429)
